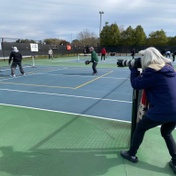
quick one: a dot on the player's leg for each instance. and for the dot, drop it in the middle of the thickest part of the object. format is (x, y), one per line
(166, 132)
(13, 67)
(21, 68)
(142, 126)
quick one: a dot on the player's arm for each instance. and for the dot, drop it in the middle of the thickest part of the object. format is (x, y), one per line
(10, 57)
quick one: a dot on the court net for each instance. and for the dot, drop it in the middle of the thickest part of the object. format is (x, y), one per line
(27, 61)
(83, 57)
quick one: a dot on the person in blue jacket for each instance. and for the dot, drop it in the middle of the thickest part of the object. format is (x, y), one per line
(158, 79)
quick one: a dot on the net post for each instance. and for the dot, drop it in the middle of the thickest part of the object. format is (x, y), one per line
(134, 112)
(33, 61)
(78, 58)
(34, 48)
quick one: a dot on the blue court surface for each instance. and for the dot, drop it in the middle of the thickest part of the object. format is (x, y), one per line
(72, 90)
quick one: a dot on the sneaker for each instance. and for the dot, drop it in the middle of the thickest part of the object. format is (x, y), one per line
(126, 155)
(23, 74)
(13, 75)
(171, 164)
(95, 73)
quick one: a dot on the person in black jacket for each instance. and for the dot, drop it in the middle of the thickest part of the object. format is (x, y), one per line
(133, 53)
(173, 55)
(16, 58)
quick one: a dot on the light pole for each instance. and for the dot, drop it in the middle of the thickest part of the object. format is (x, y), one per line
(71, 39)
(101, 13)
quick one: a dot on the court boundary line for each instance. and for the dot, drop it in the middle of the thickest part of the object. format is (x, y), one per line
(88, 82)
(66, 95)
(64, 112)
(35, 85)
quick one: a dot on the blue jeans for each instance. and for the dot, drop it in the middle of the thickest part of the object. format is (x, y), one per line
(166, 132)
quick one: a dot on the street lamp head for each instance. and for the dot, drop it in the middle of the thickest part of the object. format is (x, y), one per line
(101, 12)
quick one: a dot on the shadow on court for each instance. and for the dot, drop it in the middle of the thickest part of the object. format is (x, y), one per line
(55, 162)
(42, 143)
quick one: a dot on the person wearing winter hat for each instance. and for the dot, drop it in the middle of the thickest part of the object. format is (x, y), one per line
(94, 60)
(16, 58)
(158, 79)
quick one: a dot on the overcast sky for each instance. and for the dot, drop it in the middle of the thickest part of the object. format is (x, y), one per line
(64, 19)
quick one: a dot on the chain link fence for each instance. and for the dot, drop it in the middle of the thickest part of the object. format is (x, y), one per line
(24, 48)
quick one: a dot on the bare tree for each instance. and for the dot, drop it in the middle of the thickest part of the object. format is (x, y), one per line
(87, 38)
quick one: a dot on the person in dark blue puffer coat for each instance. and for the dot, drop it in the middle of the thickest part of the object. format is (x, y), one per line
(158, 79)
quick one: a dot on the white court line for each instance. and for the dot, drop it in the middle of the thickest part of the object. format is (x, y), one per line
(64, 112)
(7, 69)
(64, 95)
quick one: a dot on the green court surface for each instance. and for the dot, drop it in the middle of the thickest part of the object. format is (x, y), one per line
(35, 142)
(38, 142)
